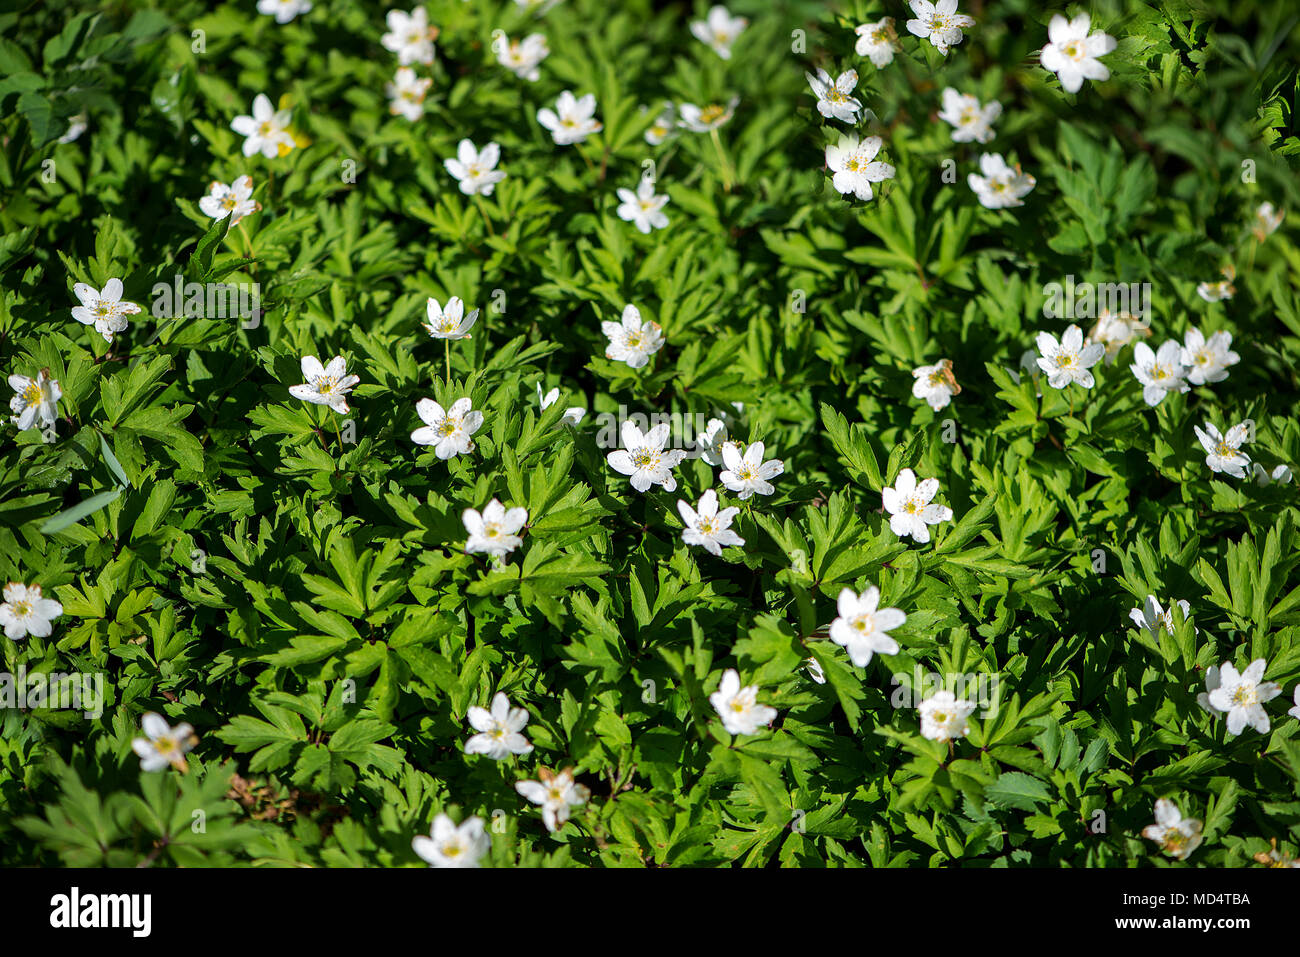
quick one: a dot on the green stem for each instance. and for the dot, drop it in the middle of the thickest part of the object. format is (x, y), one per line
(482, 208)
(727, 177)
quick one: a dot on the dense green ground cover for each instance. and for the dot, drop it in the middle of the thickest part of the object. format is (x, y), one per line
(291, 578)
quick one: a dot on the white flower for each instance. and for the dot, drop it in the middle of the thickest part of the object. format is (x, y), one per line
(1176, 835)
(1072, 54)
(833, 99)
(409, 36)
(714, 439)
(704, 119)
(935, 384)
(451, 322)
(538, 7)
(498, 729)
(943, 716)
(235, 201)
(1241, 696)
(572, 415)
(877, 41)
(815, 670)
(969, 120)
(406, 93)
(1028, 363)
(448, 432)
(940, 22)
(1001, 186)
(644, 208)
(644, 458)
(283, 10)
(1160, 372)
(1069, 360)
(1267, 220)
(104, 309)
(26, 612)
(164, 745)
(450, 846)
(1115, 330)
(1281, 475)
(748, 474)
(663, 125)
(522, 57)
(476, 170)
(1223, 452)
(719, 31)
(738, 707)
(909, 506)
(325, 385)
(35, 401)
(76, 126)
(1218, 291)
(1295, 711)
(1207, 360)
(266, 131)
(706, 525)
(572, 120)
(851, 166)
(495, 531)
(556, 793)
(1153, 618)
(631, 340)
(863, 627)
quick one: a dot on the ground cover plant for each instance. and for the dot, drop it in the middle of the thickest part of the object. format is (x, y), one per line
(624, 434)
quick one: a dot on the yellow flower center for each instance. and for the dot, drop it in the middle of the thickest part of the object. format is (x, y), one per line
(1244, 696)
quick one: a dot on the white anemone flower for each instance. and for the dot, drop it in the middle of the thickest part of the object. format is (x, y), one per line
(498, 729)
(26, 611)
(495, 530)
(450, 846)
(164, 744)
(738, 707)
(1177, 836)
(325, 385)
(449, 431)
(35, 401)
(863, 627)
(1071, 51)
(910, 507)
(708, 526)
(644, 458)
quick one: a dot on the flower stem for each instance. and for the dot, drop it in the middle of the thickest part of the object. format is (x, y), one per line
(446, 343)
(727, 177)
(482, 208)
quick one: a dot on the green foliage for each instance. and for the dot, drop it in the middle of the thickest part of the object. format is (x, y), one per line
(293, 582)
